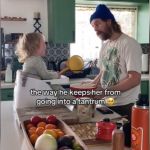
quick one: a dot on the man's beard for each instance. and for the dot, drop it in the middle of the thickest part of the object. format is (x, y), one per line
(106, 34)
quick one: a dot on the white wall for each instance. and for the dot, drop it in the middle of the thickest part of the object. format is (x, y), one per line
(24, 9)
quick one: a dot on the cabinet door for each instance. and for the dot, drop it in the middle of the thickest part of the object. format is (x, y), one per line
(6, 94)
(145, 87)
(61, 21)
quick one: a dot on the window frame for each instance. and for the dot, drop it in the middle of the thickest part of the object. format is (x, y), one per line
(114, 7)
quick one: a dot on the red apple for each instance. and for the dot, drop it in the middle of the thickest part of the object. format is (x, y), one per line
(51, 119)
(35, 120)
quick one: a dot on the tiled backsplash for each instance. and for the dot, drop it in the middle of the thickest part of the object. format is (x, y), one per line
(57, 52)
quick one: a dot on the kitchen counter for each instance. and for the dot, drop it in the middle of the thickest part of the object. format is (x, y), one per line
(12, 136)
(4, 85)
(145, 77)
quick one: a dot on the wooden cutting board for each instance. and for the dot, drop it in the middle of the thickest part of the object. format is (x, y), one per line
(87, 133)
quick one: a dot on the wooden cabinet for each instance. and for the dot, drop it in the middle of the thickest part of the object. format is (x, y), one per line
(7, 94)
(13, 19)
(61, 21)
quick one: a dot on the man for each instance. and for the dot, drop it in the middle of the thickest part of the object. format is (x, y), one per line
(120, 61)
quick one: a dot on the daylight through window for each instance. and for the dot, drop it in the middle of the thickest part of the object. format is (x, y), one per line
(87, 44)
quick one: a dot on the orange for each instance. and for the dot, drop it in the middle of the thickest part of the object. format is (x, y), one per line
(60, 134)
(41, 124)
(28, 126)
(32, 130)
(51, 132)
(33, 138)
(57, 130)
(50, 126)
(39, 130)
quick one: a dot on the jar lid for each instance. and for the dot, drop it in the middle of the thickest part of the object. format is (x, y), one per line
(119, 125)
(106, 124)
(106, 120)
(143, 100)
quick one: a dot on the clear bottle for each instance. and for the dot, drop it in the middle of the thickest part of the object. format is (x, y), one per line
(118, 139)
(145, 65)
(8, 73)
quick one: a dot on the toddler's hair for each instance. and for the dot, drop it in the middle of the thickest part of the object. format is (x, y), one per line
(27, 45)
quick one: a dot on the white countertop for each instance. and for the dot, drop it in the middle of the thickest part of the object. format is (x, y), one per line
(12, 137)
(4, 85)
(145, 77)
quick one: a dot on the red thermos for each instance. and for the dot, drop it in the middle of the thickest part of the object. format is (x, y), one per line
(140, 124)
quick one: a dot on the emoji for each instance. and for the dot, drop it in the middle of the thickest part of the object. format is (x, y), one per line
(110, 101)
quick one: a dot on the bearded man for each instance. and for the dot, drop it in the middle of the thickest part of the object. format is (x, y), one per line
(120, 62)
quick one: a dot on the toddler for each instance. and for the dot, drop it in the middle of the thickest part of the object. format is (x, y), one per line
(30, 49)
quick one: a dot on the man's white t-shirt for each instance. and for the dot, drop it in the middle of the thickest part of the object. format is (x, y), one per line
(116, 59)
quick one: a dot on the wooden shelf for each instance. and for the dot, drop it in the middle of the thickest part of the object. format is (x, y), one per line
(12, 42)
(13, 19)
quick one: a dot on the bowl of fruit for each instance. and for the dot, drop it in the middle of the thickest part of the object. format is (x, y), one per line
(50, 133)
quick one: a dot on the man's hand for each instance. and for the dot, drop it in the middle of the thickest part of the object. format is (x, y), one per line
(132, 80)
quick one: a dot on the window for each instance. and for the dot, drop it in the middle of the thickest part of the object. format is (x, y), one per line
(87, 44)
